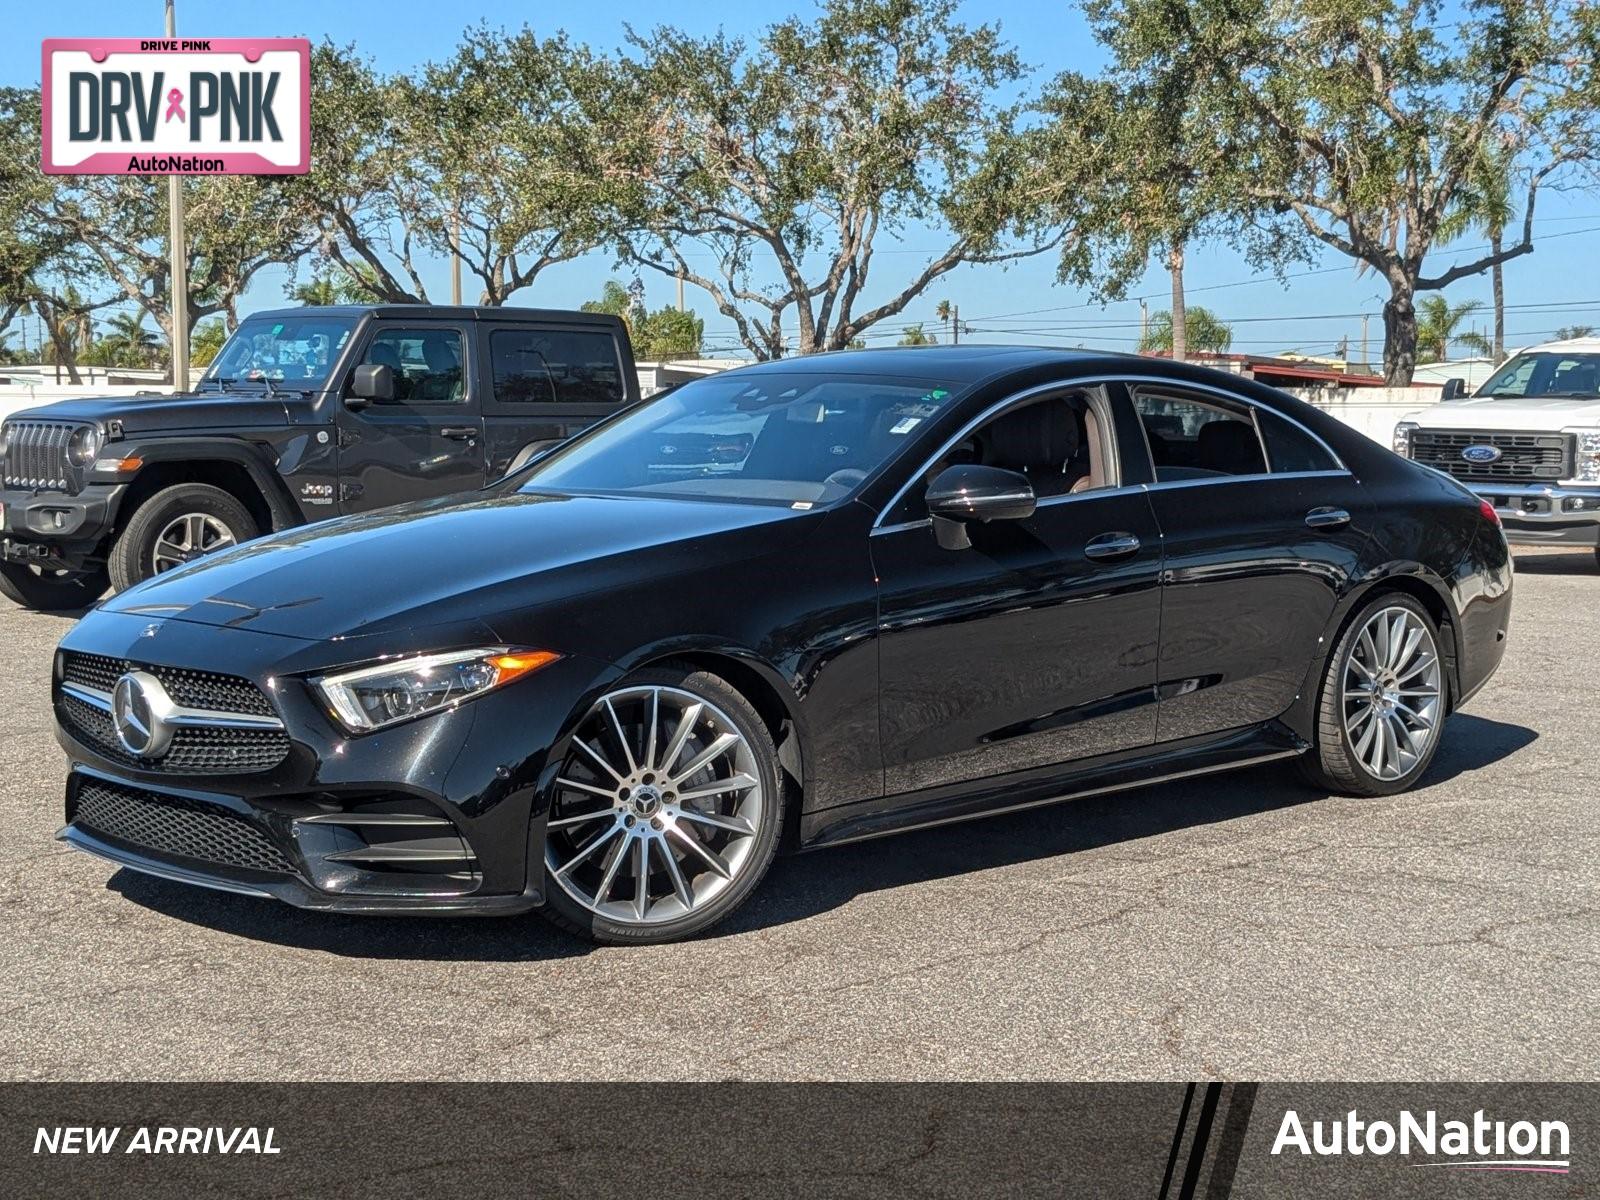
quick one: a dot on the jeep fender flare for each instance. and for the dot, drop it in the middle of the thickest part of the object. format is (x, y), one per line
(256, 464)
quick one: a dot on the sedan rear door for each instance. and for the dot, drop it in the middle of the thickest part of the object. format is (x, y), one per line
(1262, 529)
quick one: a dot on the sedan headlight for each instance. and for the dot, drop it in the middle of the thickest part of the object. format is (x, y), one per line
(373, 697)
(1587, 444)
(83, 445)
(1402, 438)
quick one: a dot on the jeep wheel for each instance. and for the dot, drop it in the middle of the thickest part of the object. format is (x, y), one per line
(49, 590)
(175, 526)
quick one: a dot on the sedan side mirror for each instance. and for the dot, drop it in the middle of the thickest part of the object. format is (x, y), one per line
(968, 492)
(373, 381)
(1453, 389)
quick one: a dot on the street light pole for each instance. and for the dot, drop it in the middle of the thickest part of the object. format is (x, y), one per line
(178, 269)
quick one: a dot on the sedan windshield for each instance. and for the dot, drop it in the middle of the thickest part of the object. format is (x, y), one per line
(1547, 373)
(296, 351)
(800, 439)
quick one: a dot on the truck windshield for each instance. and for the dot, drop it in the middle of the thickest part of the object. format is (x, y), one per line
(296, 351)
(1547, 373)
(803, 439)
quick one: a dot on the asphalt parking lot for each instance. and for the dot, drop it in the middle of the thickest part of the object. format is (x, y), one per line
(1239, 927)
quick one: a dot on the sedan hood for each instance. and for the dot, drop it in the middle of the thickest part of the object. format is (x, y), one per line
(151, 414)
(454, 559)
(1510, 412)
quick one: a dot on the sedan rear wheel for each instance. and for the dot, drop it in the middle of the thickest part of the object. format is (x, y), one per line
(665, 813)
(1384, 701)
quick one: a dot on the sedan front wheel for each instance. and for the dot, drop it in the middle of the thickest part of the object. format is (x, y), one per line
(666, 812)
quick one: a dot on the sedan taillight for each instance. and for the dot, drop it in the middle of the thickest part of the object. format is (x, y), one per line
(1489, 514)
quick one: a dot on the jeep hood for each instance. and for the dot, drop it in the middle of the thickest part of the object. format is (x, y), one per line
(456, 559)
(154, 414)
(1550, 413)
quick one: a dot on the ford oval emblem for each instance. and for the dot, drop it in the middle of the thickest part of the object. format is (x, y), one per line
(1482, 454)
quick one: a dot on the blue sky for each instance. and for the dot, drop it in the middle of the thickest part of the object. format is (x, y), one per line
(1309, 312)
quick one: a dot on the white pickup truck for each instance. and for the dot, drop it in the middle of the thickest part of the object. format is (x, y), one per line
(1528, 440)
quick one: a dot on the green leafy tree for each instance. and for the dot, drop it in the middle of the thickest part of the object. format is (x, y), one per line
(206, 342)
(319, 291)
(1360, 121)
(663, 334)
(1567, 332)
(1439, 327)
(1206, 332)
(1486, 204)
(786, 159)
(916, 335)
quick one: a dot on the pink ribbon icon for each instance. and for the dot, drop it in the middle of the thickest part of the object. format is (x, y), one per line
(175, 105)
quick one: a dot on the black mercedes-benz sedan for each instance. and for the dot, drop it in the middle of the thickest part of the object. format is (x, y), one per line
(800, 603)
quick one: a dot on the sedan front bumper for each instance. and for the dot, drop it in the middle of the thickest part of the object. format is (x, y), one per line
(1543, 514)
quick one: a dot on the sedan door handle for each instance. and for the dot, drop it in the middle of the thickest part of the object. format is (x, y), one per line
(1327, 518)
(460, 433)
(1111, 545)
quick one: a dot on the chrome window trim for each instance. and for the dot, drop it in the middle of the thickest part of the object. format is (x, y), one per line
(1129, 381)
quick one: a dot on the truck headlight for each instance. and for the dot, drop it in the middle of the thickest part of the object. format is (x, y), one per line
(83, 445)
(1587, 443)
(390, 692)
(1402, 438)
(5, 439)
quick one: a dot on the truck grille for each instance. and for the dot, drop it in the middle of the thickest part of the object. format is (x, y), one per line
(36, 455)
(194, 750)
(175, 825)
(1538, 457)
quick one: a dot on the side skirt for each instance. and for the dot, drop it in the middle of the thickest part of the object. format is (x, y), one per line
(1176, 760)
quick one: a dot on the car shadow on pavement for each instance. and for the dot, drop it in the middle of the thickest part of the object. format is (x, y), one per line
(1551, 562)
(807, 885)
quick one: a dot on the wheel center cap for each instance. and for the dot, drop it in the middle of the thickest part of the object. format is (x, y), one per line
(645, 800)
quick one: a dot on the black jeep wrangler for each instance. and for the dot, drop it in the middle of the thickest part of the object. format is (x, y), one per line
(305, 413)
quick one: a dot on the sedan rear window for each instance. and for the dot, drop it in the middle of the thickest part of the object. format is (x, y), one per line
(800, 439)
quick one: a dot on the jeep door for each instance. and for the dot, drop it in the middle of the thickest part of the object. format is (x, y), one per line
(546, 382)
(427, 440)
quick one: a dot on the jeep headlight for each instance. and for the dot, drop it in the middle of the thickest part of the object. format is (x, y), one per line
(1402, 438)
(1586, 442)
(390, 692)
(83, 445)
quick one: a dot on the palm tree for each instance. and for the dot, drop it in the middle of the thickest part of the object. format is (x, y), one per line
(130, 343)
(915, 335)
(323, 291)
(1205, 331)
(1439, 325)
(1485, 204)
(1568, 332)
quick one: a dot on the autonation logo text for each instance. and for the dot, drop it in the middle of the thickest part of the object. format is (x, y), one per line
(1480, 1144)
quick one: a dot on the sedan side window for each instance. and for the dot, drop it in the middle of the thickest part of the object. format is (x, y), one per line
(426, 364)
(1194, 439)
(1290, 448)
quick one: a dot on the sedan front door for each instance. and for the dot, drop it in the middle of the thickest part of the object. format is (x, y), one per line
(1034, 646)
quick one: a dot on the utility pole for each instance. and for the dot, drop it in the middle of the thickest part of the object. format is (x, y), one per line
(178, 255)
(955, 325)
(455, 255)
(680, 290)
(1144, 321)
(1366, 363)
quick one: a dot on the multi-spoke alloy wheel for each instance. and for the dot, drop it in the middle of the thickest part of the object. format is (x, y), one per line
(1384, 699)
(186, 538)
(661, 808)
(1391, 692)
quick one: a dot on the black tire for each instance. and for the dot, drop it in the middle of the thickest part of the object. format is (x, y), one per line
(132, 558)
(1332, 763)
(566, 913)
(52, 591)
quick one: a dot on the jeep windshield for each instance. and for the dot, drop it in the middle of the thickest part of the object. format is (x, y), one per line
(802, 439)
(292, 352)
(1547, 373)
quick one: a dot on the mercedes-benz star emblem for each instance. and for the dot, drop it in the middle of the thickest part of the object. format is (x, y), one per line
(139, 705)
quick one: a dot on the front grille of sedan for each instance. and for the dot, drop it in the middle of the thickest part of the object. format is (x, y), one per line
(1530, 457)
(175, 825)
(195, 750)
(36, 455)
